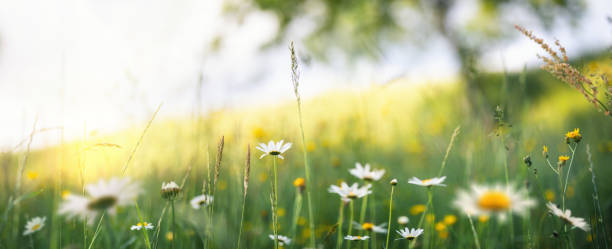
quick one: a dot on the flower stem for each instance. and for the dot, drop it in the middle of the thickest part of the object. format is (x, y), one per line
(390, 210)
(275, 208)
(144, 231)
(340, 220)
(364, 204)
(568, 173)
(474, 232)
(297, 208)
(173, 224)
(429, 200)
(350, 226)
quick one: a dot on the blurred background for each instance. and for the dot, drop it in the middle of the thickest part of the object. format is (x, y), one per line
(106, 65)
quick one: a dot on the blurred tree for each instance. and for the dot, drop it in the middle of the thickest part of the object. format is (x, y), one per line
(363, 27)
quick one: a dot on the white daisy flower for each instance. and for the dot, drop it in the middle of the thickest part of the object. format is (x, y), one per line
(145, 225)
(370, 227)
(436, 181)
(274, 149)
(282, 240)
(348, 193)
(200, 201)
(487, 200)
(34, 225)
(410, 234)
(102, 196)
(350, 237)
(403, 220)
(567, 217)
(364, 172)
(170, 190)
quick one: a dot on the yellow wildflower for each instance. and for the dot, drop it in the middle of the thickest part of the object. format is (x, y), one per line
(483, 218)
(575, 135)
(417, 209)
(549, 195)
(450, 219)
(562, 160)
(440, 226)
(299, 182)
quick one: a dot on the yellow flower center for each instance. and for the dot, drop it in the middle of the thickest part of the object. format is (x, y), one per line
(35, 227)
(494, 200)
(352, 195)
(367, 226)
(426, 181)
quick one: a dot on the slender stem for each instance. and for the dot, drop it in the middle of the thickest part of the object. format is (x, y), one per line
(297, 209)
(173, 225)
(474, 232)
(390, 211)
(568, 173)
(429, 200)
(599, 213)
(364, 204)
(448, 149)
(295, 81)
(350, 226)
(275, 208)
(144, 230)
(241, 221)
(31, 241)
(340, 221)
(551, 167)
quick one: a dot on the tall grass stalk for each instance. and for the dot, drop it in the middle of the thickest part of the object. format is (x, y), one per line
(127, 163)
(340, 221)
(213, 188)
(295, 75)
(97, 232)
(390, 212)
(599, 217)
(448, 149)
(247, 170)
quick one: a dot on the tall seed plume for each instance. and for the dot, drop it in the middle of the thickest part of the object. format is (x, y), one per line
(247, 169)
(219, 157)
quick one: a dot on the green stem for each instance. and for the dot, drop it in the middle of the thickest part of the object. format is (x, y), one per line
(297, 208)
(474, 232)
(241, 222)
(389, 224)
(364, 204)
(569, 169)
(173, 225)
(306, 171)
(350, 228)
(429, 200)
(275, 208)
(568, 174)
(340, 220)
(144, 230)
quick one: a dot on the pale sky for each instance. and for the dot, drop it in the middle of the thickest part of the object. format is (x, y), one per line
(108, 64)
